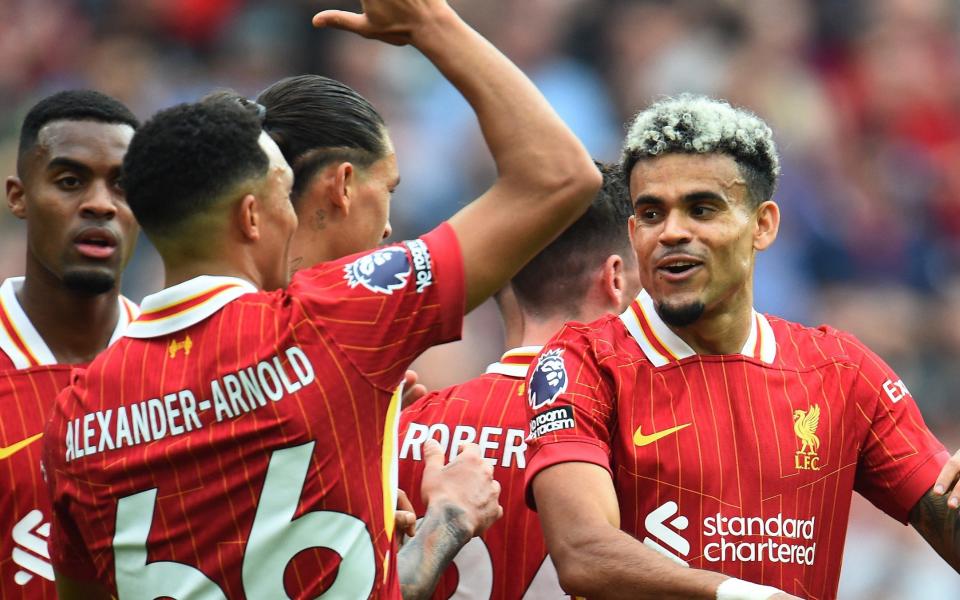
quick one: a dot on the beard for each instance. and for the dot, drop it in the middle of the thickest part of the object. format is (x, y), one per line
(89, 282)
(681, 316)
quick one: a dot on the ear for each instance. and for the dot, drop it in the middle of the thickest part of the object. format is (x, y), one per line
(16, 197)
(613, 281)
(249, 218)
(345, 180)
(768, 224)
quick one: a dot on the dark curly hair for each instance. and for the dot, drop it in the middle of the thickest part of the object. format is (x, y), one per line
(186, 157)
(70, 105)
(557, 279)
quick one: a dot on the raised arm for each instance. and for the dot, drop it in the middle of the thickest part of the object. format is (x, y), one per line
(595, 559)
(545, 178)
(936, 516)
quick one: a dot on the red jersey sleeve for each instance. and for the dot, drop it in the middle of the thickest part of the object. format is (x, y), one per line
(570, 405)
(68, 553)
(899, 458)
(386, 306)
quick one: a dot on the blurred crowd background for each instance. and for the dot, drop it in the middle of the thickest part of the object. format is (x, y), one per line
(863, 96)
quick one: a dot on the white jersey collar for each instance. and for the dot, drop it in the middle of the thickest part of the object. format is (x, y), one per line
(661, 345)
(186, 304)
(514, 363)
(21, 342)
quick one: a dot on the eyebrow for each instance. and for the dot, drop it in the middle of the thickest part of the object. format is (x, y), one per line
(691, 198)
(60, 162)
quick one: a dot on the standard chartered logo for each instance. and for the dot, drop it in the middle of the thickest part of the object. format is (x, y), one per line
(793, 543)
(776, 539)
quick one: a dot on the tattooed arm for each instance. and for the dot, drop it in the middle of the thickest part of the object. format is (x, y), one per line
(462, 501)
(936, 516)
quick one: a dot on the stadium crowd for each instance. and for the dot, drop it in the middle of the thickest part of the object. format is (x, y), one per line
(864, 98)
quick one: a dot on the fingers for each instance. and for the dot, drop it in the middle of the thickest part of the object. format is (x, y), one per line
(947, 481)
(432, 456)
(403, 502)
(406, 522)
(341, 19)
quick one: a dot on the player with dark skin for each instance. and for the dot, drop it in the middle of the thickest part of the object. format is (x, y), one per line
(80, 233)
(67, 307)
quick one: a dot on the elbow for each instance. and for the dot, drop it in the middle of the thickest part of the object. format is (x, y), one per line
(576, 570)
(571, 183)
(574, 580)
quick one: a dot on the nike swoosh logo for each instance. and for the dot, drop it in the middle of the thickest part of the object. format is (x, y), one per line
(642, 440)
(14, 448)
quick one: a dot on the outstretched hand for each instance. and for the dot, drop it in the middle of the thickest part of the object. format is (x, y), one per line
(391, 21)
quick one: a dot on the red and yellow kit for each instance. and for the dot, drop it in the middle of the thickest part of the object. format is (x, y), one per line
(743, 464)
(30, 380)
(241, 444)
(509, 561)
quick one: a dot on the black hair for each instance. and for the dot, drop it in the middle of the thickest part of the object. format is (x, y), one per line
(71, 105)
(184, 158)
(316, 120)
(557, 279)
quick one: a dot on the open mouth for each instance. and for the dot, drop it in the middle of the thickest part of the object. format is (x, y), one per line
(678, 268)
(96, 243)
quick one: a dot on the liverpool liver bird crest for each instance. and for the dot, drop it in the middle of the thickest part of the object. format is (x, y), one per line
(805, 426)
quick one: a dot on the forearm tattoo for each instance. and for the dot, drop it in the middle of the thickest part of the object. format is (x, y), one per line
(423, 559)
(939, 525)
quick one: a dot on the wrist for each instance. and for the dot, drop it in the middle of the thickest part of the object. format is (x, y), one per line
(429, 31)
(452, 517)
(738, 589)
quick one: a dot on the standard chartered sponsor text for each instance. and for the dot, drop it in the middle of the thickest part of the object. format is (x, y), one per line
(786, 540)
(175, 413)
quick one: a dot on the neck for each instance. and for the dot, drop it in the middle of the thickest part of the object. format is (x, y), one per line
(720, 331)
(176, 272)
(75, 326)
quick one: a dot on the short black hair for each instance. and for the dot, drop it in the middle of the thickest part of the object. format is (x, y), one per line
(316, 120)
(184, 158)
(557, 279)
(71, 105)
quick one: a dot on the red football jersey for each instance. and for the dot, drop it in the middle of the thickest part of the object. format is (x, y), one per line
(510, 560)
(241, 444)
(30, 380)
(743, 464)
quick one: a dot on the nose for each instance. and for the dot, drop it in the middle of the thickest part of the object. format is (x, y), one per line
(387, 231)
(675, 230)
(99, 203)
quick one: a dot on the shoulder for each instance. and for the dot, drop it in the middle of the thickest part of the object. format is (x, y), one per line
(798, 343)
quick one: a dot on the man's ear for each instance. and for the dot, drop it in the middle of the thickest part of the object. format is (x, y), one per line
(345, 181)
(16, 197)
(249, 218)
(768, 224)
(613, 280)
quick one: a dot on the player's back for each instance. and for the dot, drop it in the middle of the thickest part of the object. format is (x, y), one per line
(509, 561)
(242, 441)
(742, 463)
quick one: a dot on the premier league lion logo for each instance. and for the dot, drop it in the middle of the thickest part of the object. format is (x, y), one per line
(382, 271)
(549, 379)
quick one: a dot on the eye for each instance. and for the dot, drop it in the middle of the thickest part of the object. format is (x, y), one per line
(649, 214)
(703, 211)
(68, 182)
